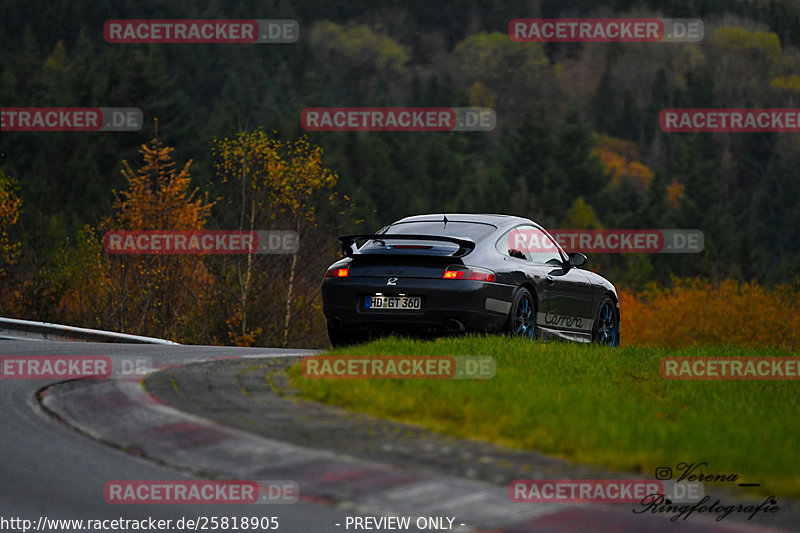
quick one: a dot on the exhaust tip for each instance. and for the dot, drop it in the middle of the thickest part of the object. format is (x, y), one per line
(452, 325)
(336, 321)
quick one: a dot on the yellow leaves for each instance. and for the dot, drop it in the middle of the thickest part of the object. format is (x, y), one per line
(187, 297)
(83, 271)
(675, 193)
(790, 83)
(140, 294)
(748, 56)
(616, 165)
(243, 339)
(358, 48)
(619, 158)
(694, 311)
(581, 215)
(753, 45)
(287, 175)
(10, 204)
(481, 96)
(58, 61)
(158, 196)
(496, 58)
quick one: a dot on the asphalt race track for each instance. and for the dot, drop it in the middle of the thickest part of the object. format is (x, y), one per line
(48, 469)
(227, 413)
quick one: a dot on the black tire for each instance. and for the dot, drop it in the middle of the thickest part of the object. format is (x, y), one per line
(606, 324)
(521, 321)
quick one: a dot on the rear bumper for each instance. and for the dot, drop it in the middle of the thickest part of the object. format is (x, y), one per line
(478, 305)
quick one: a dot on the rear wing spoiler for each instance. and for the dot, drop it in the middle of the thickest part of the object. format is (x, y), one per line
(465, 246)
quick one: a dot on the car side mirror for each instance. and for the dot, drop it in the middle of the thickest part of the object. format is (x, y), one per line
(577, 259)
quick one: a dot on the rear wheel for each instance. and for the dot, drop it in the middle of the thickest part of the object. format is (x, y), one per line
(522, 319)
(606, 325)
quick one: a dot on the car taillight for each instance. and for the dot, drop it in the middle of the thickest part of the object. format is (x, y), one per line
(473, 273)
(337, 272)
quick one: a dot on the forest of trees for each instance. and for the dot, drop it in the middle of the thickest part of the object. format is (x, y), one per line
(577, 144)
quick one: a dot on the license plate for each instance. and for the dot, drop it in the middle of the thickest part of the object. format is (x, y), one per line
(400, 303)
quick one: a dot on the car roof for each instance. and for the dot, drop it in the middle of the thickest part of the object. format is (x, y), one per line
(501, 221)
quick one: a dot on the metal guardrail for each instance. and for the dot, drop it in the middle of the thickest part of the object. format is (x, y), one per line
(27, 330)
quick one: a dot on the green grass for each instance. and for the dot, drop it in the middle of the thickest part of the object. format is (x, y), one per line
(592, 405)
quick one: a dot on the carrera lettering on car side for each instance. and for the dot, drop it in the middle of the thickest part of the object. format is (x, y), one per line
(565, 321)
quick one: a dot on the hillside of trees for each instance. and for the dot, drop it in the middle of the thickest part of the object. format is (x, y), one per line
(577, 142)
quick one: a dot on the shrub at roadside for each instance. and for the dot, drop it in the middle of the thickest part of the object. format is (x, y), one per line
(696, 312)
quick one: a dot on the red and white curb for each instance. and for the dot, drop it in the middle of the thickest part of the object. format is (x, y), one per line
(119, 412)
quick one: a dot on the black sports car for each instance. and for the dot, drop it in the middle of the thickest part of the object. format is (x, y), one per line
(439, 274)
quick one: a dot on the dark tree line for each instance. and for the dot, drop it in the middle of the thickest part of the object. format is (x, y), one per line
(574, 121)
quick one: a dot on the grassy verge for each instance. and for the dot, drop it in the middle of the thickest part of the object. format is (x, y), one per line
(592, 405)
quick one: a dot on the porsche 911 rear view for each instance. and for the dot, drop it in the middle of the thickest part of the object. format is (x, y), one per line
(450, 273)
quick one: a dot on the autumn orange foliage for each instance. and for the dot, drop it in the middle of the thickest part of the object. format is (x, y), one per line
(158, 196)
(696, 312)
(9, 213)
(620, 159)
(157, 295)
(282, 185)
(675, 193)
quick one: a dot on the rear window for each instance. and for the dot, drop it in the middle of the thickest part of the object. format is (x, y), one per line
(470, 230)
